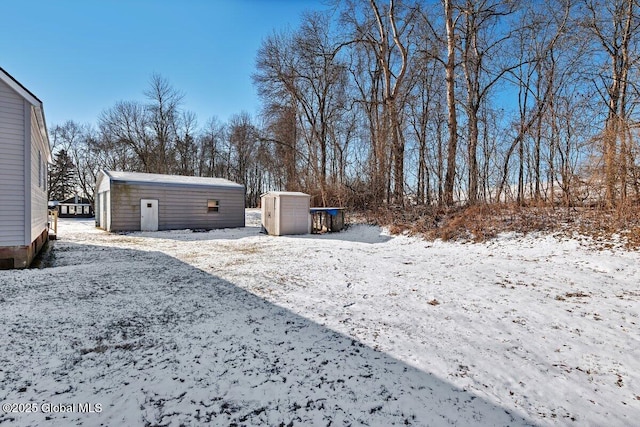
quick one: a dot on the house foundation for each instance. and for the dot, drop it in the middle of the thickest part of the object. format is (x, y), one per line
(22, 256)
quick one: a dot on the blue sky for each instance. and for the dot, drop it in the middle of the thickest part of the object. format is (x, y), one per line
(82, 56)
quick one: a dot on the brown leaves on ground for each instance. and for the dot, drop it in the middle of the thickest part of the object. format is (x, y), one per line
(485, 221)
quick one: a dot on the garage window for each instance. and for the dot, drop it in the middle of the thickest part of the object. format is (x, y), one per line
(213, 205)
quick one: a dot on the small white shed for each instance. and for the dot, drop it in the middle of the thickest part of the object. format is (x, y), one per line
(286, 212)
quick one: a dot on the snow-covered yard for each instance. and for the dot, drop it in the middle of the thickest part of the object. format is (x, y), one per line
(233, 327)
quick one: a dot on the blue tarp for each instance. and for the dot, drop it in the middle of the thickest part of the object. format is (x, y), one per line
(330, 211)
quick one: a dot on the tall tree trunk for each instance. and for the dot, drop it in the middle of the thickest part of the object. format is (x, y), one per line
(452, 122)
(473, 157)
(392, 88)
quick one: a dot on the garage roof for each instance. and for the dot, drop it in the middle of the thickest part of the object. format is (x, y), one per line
(160, 179)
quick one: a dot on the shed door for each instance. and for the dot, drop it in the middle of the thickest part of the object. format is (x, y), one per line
(268, 213)
(104, 206)
(272, 216)
(148, 215)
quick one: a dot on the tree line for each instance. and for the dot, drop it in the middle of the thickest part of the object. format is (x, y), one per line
(377, 103)
(158, 136)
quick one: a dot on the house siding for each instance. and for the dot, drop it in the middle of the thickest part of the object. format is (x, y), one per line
(39, 156)
(179, 206)
(12, 160)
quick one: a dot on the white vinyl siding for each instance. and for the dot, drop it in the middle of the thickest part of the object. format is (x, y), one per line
(39, 154)
(12, 160)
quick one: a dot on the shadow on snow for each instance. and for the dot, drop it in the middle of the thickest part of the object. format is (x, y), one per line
(157, 341)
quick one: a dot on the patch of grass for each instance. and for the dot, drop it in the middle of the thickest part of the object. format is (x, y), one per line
(243, 249)
(100, 348)
(578, 294)
(248, 250)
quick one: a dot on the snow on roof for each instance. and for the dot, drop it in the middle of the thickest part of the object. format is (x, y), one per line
(75, 200)
(155, 178)
(286, 193)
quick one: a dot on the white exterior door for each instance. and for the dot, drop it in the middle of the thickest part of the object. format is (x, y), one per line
(148, 215)
(104, 210)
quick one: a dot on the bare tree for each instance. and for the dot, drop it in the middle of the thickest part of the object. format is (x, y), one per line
(615, 25)
(163, 112)
(243, 145)
(186, 150)
(143, 137)
(484, 35)
(424, 115)
(382, 36)
(452, 122)
(392, 50)
(77, 160)
(282, 135)
(303, 71)
(87, 160)
(367, 96)
(211, 159)
(537, 80)
(124, 129)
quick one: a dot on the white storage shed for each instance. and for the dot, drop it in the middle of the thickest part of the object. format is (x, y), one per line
(286, 212)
